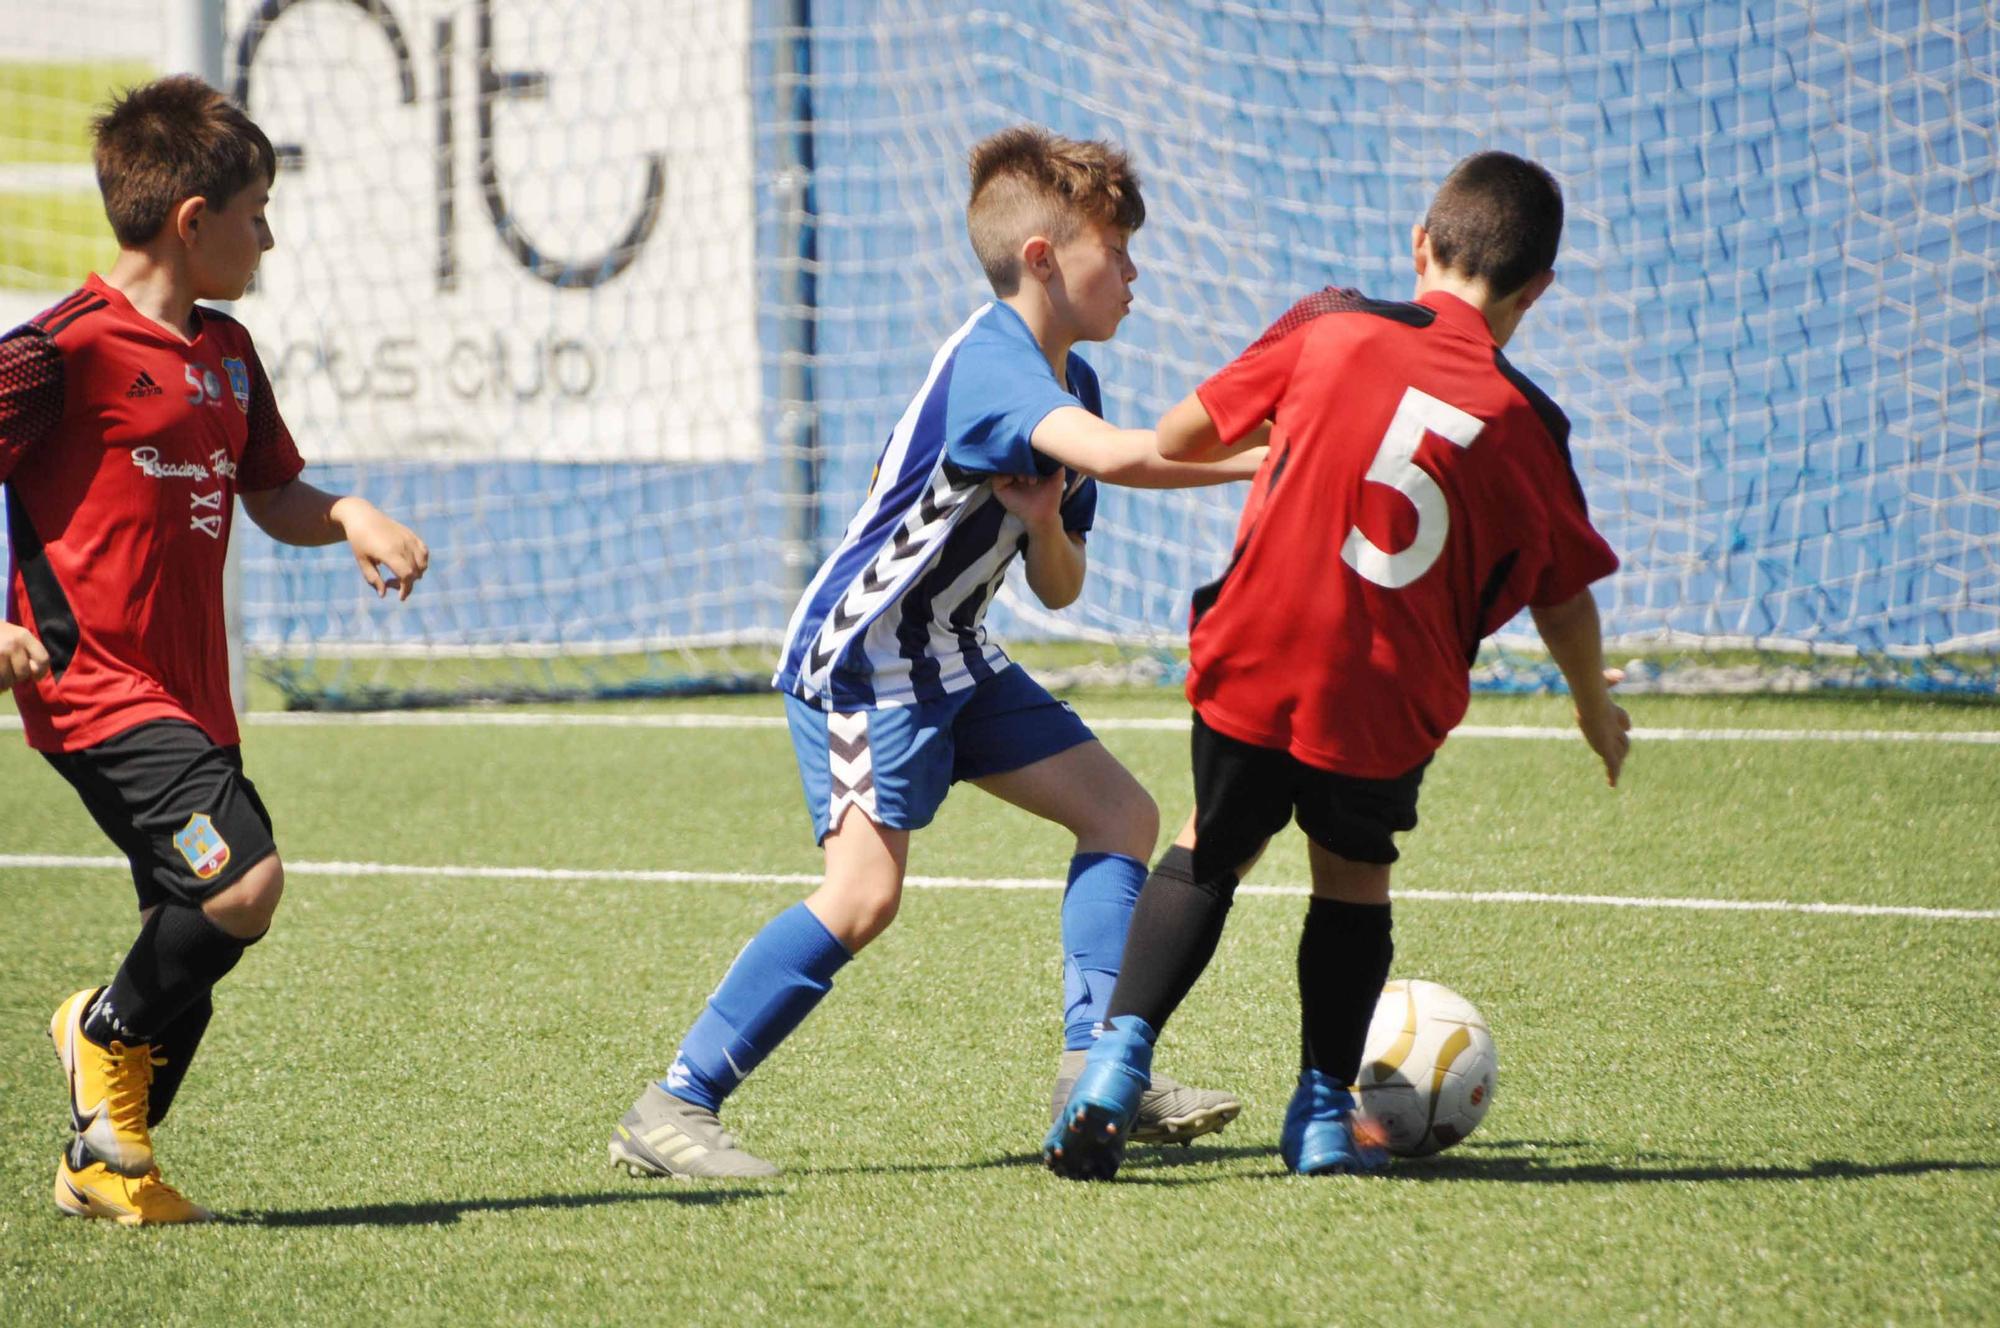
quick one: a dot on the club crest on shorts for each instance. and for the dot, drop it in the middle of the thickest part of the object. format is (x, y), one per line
(239, 382)
(205, 850)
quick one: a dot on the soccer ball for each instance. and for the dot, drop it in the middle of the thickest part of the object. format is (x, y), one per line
(1427, 1068)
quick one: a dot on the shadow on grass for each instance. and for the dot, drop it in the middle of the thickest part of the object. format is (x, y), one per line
(1139, 1162)
(446, 1213)
(1519, 1161)
(1544, 1171)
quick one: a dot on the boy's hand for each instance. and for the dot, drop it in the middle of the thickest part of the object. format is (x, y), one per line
(22, 655)
(1036, 499)
(1607, 728)
(378, 542)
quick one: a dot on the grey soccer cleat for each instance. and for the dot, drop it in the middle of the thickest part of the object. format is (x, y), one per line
(1169, 1113)
(663, 1136)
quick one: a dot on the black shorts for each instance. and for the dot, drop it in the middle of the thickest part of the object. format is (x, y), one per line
(1244, 794)
(176, 805)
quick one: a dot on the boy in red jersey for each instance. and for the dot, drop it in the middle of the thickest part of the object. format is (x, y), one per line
(131, 418)
(1417, 495)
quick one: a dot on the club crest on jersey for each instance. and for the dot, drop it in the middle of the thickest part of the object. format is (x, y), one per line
(239, 381)
(205, 850)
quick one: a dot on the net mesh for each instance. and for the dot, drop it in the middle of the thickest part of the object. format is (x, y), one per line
(616, 302)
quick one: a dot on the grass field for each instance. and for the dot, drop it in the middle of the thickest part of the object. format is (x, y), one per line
(1703, 1116)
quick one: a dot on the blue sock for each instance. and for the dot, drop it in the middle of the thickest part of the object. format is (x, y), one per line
(1096, 910)
(770, 989)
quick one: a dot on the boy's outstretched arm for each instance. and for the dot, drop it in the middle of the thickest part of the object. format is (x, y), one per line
(1576, 641)
(1187, 433)
(1054, 562)
(1082, 441)
(298, 513)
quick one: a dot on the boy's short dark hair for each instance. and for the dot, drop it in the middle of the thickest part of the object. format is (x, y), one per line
(169, 140)
(1028, 181)
(1499, 218)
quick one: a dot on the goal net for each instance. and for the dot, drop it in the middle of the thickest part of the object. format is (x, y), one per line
(616, 301)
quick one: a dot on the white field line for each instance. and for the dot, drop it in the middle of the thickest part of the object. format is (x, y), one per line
(53, 862)
(590, 720)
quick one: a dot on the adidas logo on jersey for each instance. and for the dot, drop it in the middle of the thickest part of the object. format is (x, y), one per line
(144, 386)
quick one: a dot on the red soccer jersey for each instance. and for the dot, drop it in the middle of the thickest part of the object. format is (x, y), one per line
(123, 448)
(1417, 494)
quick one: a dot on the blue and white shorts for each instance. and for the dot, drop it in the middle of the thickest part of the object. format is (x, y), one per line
(897, 763)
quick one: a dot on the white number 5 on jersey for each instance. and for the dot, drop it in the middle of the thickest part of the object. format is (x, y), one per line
(203, 385)
(1395, 465)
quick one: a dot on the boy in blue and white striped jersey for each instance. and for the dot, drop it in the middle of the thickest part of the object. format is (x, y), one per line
(894, 690)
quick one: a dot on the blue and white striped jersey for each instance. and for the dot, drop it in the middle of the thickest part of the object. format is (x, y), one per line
(897, 614)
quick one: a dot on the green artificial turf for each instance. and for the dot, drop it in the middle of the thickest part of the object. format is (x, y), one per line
(1717, 1117)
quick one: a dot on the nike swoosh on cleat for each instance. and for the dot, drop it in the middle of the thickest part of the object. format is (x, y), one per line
(97, 1206)
(68, 1054)
(84, 1122)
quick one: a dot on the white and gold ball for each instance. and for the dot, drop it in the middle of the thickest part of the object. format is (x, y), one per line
(1427, 1069)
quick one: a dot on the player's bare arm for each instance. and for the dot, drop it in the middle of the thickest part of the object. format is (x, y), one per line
(1055, 562)
(1575, 640)
(1187, 433)
(22, 656)
(1129, 457)
(298, 513)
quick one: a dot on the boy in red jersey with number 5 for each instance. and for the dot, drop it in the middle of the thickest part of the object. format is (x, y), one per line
(1417, 495)
(131, 419)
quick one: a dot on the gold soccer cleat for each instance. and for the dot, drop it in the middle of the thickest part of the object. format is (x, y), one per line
(98, 1191)
(109, 1089)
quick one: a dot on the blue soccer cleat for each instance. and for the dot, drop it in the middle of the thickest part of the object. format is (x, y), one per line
(1324, 1137)
(1087, 1141)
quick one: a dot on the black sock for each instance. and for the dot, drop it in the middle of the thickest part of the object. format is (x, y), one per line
(179, 955)
(176, 1047)
(1174, 930)
(1344, 955)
